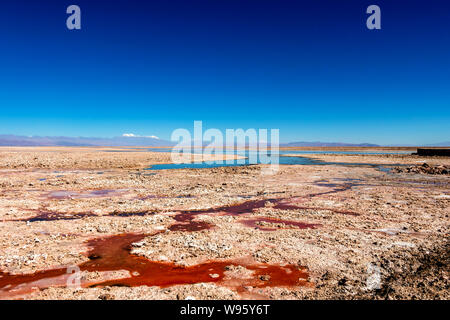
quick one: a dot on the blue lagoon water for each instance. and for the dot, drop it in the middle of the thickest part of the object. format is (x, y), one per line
(254, 157)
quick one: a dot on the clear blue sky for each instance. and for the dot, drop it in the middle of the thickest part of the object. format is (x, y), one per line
(310, 68)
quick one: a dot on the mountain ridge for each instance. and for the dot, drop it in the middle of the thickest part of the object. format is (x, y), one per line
(34, 141)
(130, 140)
(327, 144)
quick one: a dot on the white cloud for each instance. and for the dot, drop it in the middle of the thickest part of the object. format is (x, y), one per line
(132, 135)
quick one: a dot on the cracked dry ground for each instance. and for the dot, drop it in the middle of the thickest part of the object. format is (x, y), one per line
(306, 232)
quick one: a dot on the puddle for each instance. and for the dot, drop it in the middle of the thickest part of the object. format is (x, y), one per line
(60, 195)
(55, 216)
(336, 187)
(112, 253)
(396, 232)
(243, 196)
(385, 169)
(233, 210)
(253, 157)
(266, 224)
(152, 196)
(442, 196)
(149, 197)
(327, 184)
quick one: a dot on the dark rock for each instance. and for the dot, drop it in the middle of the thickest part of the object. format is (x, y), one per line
(342, 282)
(265, 277)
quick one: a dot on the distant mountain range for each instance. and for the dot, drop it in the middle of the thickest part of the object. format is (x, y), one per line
(129, 140)
(441, 144)
(326, 144)
(125, 140)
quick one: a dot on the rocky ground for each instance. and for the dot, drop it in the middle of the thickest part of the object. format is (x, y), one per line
(425, 168)
(304, 232)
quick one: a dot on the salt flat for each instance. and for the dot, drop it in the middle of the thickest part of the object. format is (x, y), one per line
(305, 232)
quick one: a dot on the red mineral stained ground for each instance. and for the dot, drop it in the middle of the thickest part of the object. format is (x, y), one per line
(187, 223)
(113, 253)
(186, 217)
(252, 205)
(191, 226)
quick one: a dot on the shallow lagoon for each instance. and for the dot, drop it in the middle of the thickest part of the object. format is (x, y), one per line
(253, 157)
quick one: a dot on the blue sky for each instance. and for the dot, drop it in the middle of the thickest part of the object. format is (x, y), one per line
(309, 68)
